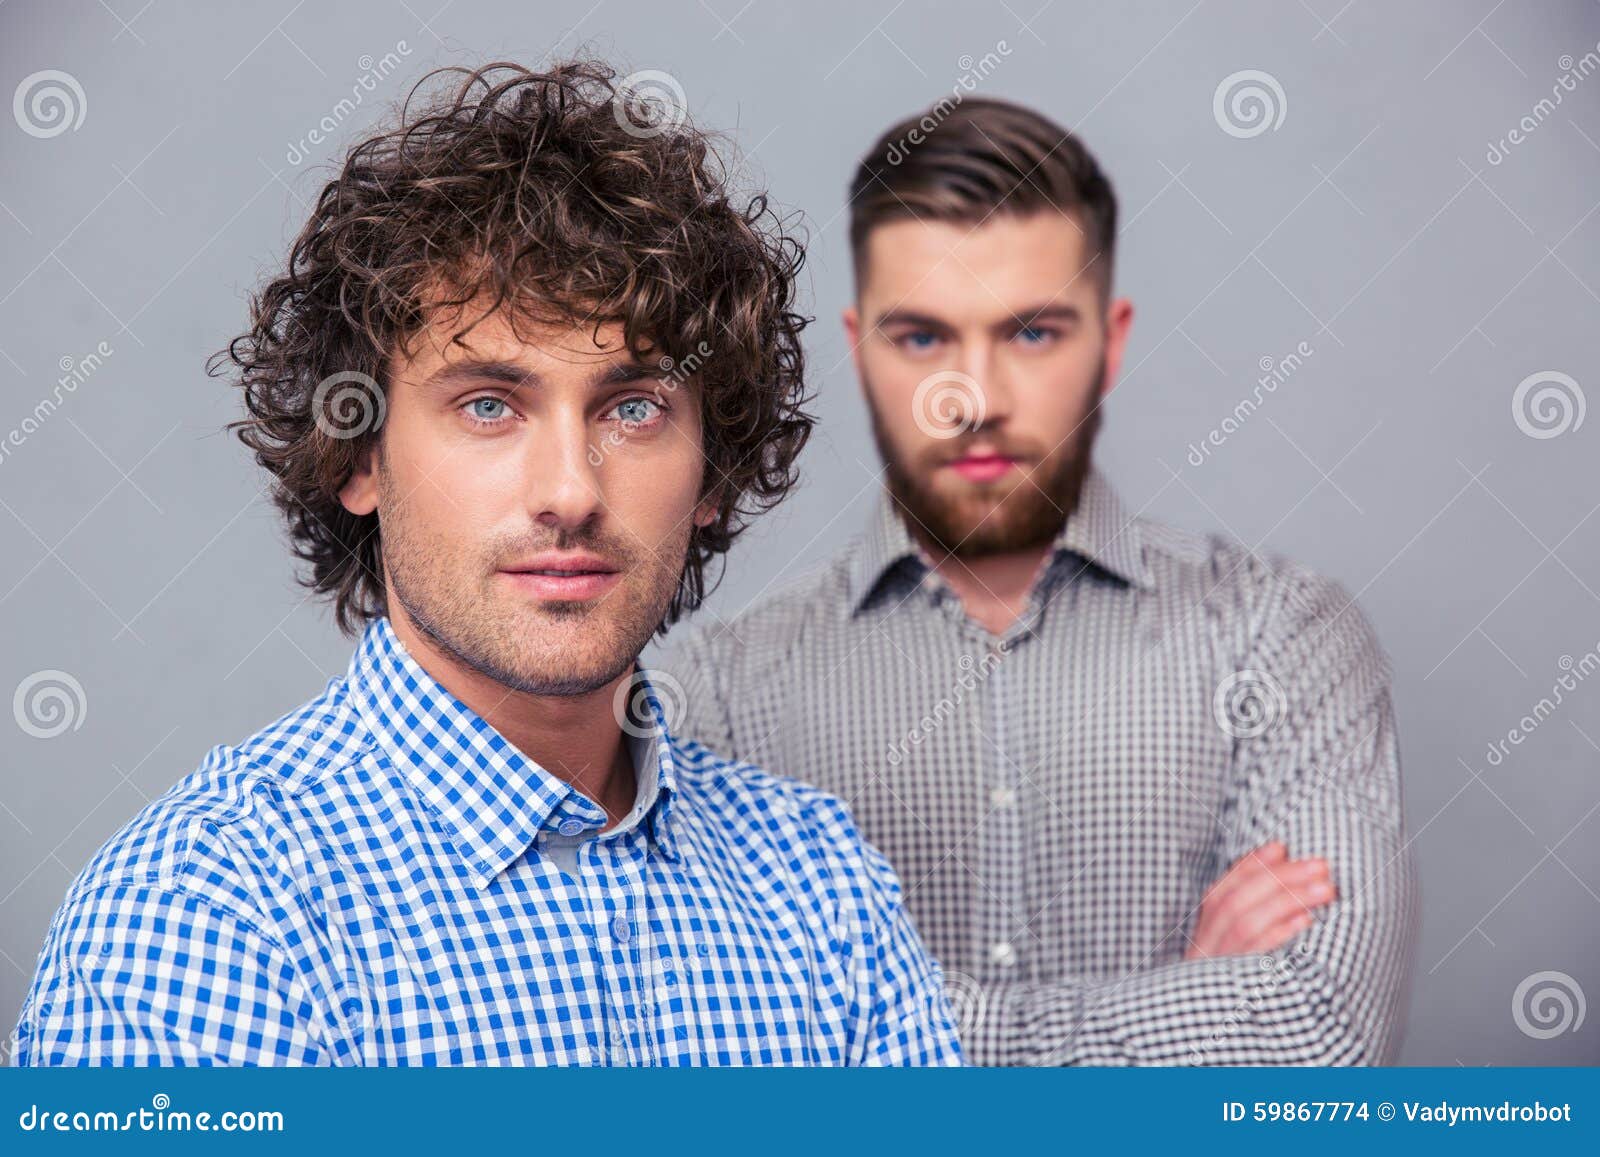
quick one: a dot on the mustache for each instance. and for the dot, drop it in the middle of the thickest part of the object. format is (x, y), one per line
(612, 550)
(992, 442)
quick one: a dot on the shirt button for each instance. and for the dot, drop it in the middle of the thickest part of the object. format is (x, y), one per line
(570, 827)
(1003, 954)
(1003, 796)
(620, 929)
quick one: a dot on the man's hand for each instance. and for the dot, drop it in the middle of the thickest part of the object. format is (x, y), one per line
(1263, 902)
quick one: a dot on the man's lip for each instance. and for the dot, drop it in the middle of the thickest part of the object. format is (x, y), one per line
(576, 586)
(562, 563)
(983, 467)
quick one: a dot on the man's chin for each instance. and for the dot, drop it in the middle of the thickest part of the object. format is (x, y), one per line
(973, 525)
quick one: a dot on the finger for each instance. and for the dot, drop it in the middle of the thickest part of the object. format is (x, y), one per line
(1264, 884)
(1284, 904)
(1246, 866)
(1282, 932)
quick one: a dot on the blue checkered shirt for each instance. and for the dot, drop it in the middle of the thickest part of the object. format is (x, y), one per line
(365, 882)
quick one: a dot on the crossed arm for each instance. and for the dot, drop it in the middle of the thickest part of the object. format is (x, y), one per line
(1298, 959)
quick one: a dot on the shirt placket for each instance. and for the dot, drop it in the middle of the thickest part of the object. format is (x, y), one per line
(614, 888)
(1002, 913)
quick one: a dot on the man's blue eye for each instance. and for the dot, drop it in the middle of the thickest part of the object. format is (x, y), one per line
(920, 339)
(479, 413)
(635, 410)
(1032, 334)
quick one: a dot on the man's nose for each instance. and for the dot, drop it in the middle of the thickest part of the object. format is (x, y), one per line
(564, 488)
(983, 363)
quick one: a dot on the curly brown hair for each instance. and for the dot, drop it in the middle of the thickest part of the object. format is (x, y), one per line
(565, 195)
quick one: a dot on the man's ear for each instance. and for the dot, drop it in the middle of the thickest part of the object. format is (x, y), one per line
(1119, 320)
(852, 332)
(710, 506)
(359, 494)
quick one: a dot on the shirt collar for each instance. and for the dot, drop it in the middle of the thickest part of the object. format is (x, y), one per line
(492, 799)
(1099, 530)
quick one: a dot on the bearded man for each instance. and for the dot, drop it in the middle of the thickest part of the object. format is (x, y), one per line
(1142, 785)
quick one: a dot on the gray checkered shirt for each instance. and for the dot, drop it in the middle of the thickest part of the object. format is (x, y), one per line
(1057, 800)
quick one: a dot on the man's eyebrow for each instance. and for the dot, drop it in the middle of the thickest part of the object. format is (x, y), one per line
(512, 374)
(460, 373)
(911, 317)
(1031, 315)
(623, 372)
(1048, 312)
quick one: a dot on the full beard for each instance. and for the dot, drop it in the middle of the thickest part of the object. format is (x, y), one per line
(992, 518)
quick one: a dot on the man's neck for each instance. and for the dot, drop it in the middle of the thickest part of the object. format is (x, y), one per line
(574, 737)
(994, 588)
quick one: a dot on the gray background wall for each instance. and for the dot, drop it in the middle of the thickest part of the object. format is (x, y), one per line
(138, 556)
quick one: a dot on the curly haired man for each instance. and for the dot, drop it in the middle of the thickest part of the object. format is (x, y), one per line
(530, 368)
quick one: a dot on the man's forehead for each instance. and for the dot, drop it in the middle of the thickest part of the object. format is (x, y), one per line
(457, 338)
(1038, 256)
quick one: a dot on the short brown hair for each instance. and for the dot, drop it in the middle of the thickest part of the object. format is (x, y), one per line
(963, 160)
(575, 199)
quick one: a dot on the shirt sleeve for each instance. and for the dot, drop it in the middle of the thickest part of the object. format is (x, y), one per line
(1324, 777)
(908, 1018)
(148, 975)
(690, 662)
